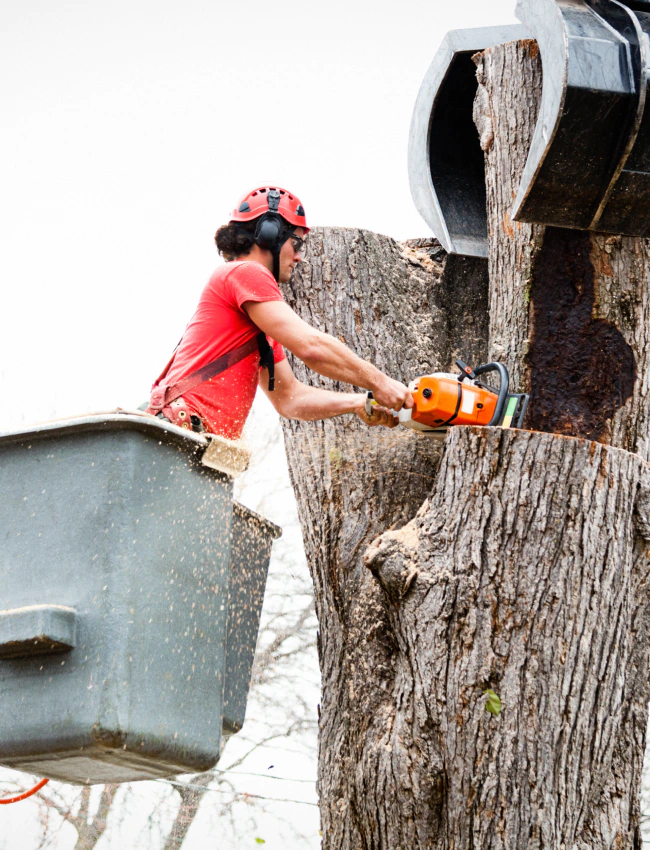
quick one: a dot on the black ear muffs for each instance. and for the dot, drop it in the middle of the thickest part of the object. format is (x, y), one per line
(268, 230)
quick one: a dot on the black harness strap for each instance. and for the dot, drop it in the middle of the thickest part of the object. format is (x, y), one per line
(160, 398)
(267, 361)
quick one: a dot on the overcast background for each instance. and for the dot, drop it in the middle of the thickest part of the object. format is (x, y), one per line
(130, 130)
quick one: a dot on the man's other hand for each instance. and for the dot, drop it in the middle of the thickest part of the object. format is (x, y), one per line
(379, 416)
(391, 394)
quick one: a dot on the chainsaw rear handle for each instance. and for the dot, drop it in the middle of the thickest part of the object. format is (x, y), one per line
(370, 403)
(504, 386)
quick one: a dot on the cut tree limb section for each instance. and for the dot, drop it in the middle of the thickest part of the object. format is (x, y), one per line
(569, 309)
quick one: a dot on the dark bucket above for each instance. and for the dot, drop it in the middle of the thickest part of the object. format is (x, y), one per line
(589, 163)
(132, 589)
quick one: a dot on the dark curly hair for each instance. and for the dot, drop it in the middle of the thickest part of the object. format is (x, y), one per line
(235, 239)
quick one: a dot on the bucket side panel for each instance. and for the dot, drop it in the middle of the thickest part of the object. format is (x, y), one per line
(135, 537)
(251, 552)
(176, 562)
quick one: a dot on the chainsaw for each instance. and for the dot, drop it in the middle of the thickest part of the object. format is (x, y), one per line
(442, 400)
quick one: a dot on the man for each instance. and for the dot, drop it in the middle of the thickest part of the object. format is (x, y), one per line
(236, 337)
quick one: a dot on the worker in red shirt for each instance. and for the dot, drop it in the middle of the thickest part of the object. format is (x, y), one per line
(235, 338)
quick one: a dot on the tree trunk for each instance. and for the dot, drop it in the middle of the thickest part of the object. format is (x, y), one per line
(527, 572)
(187, 810)
(90, 828)
(524, 573)
(387, 301)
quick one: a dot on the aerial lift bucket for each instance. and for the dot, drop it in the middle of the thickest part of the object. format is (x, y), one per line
(132, 589)
(589, 162)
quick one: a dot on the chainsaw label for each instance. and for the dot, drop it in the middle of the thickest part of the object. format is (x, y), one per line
(468, 401)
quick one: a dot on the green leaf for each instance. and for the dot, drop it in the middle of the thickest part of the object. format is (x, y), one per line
(260, 841)
(493, 703)
(336, 458)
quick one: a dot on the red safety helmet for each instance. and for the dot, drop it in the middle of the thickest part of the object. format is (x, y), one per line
(255, 203)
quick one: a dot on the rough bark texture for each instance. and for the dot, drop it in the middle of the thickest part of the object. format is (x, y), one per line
(462, 295)
(387, 301)
(525, 570)
(505, 114)
(569, 310)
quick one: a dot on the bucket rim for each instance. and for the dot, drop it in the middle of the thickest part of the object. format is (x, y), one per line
(106, 422)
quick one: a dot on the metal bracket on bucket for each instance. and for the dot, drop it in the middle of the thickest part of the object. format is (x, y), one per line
(227, 456)
(37, 630)
(589, 162)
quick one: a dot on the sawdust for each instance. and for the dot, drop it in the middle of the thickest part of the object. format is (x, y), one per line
(426, 253)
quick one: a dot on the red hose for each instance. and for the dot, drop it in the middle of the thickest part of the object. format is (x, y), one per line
(25, 795)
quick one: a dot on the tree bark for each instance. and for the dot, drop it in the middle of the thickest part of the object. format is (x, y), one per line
(187, 810)
(528, 574)
(387, 301)
(520, 568)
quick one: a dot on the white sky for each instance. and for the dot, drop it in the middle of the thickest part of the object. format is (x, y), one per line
(130, 129)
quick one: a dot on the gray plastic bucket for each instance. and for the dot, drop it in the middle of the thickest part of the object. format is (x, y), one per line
(130, 598)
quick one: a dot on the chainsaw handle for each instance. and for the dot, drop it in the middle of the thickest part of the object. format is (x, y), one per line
(504, 386)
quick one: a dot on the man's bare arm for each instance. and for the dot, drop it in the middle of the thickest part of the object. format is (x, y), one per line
(325, 354)
(295, 400)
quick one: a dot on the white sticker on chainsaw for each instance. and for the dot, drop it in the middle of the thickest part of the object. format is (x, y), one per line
(468, 401)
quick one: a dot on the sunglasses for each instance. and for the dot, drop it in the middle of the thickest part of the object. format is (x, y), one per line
(298, 243)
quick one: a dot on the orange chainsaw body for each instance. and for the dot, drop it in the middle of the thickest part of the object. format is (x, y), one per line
(436, 401)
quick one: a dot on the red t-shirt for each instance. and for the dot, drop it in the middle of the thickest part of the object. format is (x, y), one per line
(219, 325)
